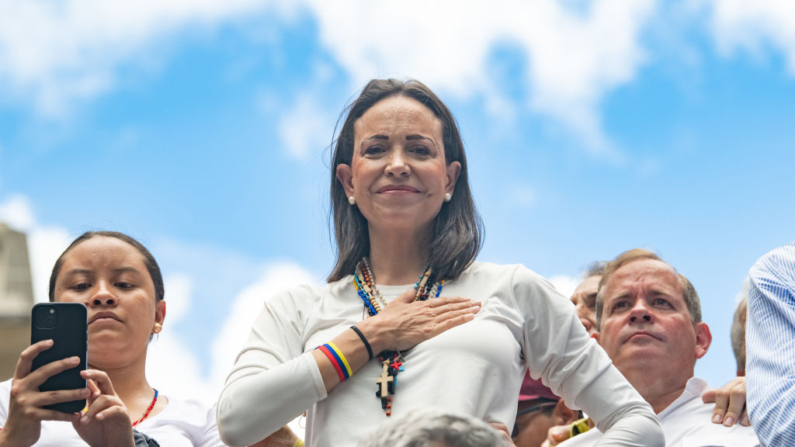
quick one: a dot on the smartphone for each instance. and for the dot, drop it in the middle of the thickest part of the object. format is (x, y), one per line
(66, 324)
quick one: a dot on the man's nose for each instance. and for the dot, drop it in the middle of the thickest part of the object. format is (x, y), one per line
(640, 312)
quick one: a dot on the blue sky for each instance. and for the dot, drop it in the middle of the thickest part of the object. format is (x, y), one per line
(202, 129)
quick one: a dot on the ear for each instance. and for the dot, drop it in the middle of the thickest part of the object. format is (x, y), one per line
(345, 176)
(160, 311)
(453, 170)
(563, 415)
(595, 336)
(703, 339)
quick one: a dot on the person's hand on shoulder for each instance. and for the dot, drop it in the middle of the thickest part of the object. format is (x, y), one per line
(106, 421)
(729, 403)
(26, 405)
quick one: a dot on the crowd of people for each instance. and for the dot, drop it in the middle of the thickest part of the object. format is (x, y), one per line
(413, 341)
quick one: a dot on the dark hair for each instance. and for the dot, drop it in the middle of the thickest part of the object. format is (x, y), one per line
(596, 268)
(149, 260)
(457, 233)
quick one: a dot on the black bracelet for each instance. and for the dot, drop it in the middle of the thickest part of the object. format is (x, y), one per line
(364, 340)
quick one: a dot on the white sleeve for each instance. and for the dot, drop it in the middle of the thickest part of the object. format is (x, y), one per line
(558, 349)
(273, 380)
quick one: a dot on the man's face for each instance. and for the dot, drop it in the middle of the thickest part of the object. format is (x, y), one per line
(584, 299)
(645, 320)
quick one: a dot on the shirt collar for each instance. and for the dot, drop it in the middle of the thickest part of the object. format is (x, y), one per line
(694, 388)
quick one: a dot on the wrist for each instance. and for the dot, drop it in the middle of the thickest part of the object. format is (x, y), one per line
(375, 335)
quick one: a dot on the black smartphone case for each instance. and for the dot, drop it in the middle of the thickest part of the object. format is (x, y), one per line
(70, 337)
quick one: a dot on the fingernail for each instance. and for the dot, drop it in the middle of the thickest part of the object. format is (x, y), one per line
(84, 420)
(716, 419)
(84, 392)
(74, 360)
(728, 421)
(100, 416)
(746, 421)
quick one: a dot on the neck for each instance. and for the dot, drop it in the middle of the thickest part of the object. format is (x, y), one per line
(397, 258)
(659, 390)
(129, 383)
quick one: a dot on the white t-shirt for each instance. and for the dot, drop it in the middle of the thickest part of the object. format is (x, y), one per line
(687, 422)
(181, 424)
(474, 369)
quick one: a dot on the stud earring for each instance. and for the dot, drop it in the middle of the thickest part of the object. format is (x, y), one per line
(448, 197)
(352, 200)
(158, 328)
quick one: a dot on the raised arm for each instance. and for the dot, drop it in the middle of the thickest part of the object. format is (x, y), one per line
(770, 370)
(558, 349)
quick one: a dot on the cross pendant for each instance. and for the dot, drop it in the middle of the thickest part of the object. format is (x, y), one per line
(385, 384)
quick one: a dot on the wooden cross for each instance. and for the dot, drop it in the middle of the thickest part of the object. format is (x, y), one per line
(385, 380)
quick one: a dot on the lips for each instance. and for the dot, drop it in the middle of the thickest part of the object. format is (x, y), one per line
(397, 189)
(640, 334)
(102, 316)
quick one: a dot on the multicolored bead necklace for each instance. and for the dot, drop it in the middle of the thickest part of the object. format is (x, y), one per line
(391, 361)
(148, 410)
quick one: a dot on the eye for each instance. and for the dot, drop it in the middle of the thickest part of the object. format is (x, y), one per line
(421, 150)
(661, 302)
(81, 286)
(374, 150)
(124, 285)
(619, 305)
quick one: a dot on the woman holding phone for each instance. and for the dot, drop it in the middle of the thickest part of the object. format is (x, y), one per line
(120, 283)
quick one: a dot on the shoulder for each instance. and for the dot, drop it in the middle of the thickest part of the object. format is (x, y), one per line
(779, 262)
(512, 273)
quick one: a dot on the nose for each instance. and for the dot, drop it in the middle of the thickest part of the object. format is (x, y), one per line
(640, 313)
(103, 297)
(397, 166)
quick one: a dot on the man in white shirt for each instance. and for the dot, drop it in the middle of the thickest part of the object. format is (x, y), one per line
(649, 319)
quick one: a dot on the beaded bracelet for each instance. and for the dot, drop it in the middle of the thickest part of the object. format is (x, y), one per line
(364, 340)
(337, 359)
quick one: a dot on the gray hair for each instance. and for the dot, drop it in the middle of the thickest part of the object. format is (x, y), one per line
(434, 429)
(738, 326)
(689, 293)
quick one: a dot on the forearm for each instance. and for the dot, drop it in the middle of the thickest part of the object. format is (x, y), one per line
(252, 407)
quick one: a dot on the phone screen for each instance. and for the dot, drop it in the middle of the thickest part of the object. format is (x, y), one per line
(66, 325)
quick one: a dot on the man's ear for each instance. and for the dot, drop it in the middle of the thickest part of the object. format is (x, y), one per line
(703, 339)
(345, 177)
(595, 336)
(563, 415)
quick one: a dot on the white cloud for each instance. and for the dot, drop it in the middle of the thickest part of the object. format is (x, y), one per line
(58, 52)
(305, 128)
(565, 284)
(16, 212)
(750, 26)
(179, 288)
(575, 57)
(244, 311)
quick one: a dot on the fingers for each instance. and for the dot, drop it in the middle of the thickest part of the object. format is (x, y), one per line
(445, 300)
(46, 398)
(558, 434)
(455, 307)
(451, 322)
(25, 362)
(736, 405)
(100, 380)
(103, 407)
(407, 296)
(42, 374)
(721, 405)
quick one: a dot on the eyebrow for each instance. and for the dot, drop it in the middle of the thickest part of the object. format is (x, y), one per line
(408, 137)
(88, 271)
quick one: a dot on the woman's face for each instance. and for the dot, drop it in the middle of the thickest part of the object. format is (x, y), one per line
(110, 277)
(398, 174)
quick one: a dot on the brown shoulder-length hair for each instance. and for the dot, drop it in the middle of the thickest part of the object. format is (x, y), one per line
(457, 231)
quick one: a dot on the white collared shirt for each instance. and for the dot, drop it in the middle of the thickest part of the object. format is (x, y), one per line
(687, 423)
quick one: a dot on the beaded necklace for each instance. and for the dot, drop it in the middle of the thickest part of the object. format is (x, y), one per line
(149, 409)
(391, 361)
